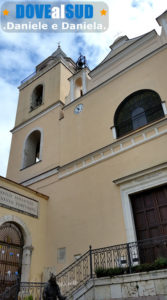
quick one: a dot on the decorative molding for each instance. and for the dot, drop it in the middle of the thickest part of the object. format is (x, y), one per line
(71, 89)
(130, 46)
(139, 174)
(117, 74)
(84, 83)
(42, 72)
(114, 149)
(137, 182)
(25, 230)
(41, 114)
(114, 133)
(124, 144)
(21, 187)
(40, 177)
(164, 107)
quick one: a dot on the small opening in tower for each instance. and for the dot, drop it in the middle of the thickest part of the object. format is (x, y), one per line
(37, 96)
(32, 149)
(78, 88)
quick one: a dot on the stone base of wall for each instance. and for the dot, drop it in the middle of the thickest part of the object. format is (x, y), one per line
(144, 286)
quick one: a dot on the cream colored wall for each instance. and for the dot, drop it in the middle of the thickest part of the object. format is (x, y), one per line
(36, 226)
(56, 87)
(121, 58)
(77, 135)
(90, 130)
(65, 84)
(86, 207)
(50, 149)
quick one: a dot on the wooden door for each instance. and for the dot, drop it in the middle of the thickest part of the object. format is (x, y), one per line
(150, 217)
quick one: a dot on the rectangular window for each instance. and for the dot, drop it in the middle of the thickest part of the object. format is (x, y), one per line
(61, 255)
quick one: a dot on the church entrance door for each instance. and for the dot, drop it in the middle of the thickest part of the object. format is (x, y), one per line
(150, 217)
(11, 250)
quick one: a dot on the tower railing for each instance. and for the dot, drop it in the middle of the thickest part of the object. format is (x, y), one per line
(28, 77)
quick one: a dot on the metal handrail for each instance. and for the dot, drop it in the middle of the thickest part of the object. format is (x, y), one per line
(10, 293)
(124, 255)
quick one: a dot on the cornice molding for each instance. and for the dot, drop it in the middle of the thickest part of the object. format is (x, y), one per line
(42, 72)
(142, 136)
(40, 177)
(118, 54)
(36, 117)
(126, 143)
(149, 172)
(116, 75)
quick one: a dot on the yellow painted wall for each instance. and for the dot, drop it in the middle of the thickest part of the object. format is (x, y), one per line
(37, 226)
(77, 135)
(85, 208)
(55, 88)
(90, 130)
(50, 147)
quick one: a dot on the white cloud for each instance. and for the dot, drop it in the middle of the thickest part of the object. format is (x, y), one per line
(21, 52)
(8, 103)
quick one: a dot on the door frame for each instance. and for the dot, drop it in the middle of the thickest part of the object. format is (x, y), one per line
(140, 181)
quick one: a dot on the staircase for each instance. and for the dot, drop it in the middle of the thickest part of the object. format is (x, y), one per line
(81, 271)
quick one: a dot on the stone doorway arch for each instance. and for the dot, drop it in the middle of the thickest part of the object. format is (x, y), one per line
(27, 247)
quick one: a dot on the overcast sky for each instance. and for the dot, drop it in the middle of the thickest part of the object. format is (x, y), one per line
(21, 52)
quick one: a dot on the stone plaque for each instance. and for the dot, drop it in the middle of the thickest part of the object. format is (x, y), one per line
(18, 202)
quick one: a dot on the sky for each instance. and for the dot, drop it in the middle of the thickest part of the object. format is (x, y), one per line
(21, 52)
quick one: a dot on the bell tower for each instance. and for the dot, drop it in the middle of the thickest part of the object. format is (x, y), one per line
(79, 81)
(35, 136)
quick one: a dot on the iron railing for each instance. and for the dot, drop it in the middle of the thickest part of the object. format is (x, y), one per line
(28, 77)
(11, 293)
(35, 289)
(79, 272)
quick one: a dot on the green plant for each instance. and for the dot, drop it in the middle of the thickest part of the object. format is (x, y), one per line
(143, 268)
(116, 271)
(29, 297)
(159, 263)
(101, 272)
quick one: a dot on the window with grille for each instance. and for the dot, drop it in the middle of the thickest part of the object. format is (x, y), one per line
(137, 110)
(61, 255)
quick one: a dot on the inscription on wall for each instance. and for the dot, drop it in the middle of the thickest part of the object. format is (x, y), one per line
(18, 202)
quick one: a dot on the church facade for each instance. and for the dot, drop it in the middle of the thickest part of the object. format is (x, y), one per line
(90, 148)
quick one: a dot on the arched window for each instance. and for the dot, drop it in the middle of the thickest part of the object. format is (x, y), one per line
(137, 110)
(37, 96)
(31, 153)
(78, 88)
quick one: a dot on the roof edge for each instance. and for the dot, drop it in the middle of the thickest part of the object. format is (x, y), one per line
(5, 179)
